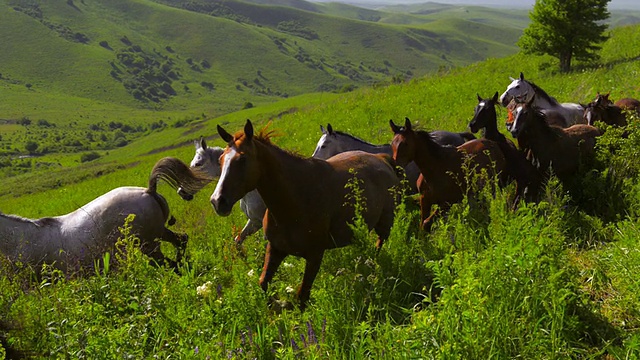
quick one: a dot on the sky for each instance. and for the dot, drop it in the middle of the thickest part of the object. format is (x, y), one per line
(613, 4)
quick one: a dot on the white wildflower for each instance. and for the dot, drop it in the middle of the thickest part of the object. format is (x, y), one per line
(204, 290)
(250, 273)
(287, 265)
(289, 290)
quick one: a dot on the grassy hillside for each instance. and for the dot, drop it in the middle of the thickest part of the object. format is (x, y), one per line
(558, 279)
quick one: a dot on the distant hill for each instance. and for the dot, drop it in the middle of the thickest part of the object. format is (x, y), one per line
(171, 54)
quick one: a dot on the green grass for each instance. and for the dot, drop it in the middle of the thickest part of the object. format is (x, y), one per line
(558, 279)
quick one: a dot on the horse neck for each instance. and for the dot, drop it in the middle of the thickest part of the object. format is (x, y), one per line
(275, 184)
(429, 156)
(538, 136)
(490, 129)
(544, 100)
(349, 143)
(214, 169)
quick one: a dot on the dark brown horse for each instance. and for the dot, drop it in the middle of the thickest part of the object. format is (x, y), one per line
(601, 109)
(561, 149)
(308, 207)
(443, 181)
(519, 169)
(629, 104)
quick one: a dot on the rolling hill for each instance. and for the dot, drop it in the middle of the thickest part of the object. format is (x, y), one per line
(174, 54)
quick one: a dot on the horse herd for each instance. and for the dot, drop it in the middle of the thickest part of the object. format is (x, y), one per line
(305, 205)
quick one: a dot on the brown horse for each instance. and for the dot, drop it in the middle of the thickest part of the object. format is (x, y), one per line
(308, 207)
(443, 180)
(560, 149)
(519, 169)
(629, 104)
(601, 109)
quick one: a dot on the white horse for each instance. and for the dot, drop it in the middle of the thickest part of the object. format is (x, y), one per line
(80, 238)
(334, 142)
(206, 160)
(524, 91)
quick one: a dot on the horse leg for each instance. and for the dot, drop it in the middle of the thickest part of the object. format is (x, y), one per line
(179, 241)
(311, 269)
(425, 213)
(383, 228)
(272, 260)
(249, 229)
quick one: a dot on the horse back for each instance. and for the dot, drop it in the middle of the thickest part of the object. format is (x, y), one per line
(629, 104)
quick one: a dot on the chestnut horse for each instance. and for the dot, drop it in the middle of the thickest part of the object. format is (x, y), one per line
(560, 149)
(308, 206)
(443, 181)
(519, 169)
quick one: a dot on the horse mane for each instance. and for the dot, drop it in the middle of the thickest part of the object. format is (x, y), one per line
(45, 221)
(539, 92)
(264, 137)
(352, 137)
(429, 141)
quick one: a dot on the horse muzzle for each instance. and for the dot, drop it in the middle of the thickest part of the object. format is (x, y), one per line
(185, 195)
(221, 205)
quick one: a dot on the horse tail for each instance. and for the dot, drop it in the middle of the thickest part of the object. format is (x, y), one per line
(177, 174)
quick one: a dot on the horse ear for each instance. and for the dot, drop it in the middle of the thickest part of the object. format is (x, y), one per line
(407, 124)
(322, 130)
(329, 129)
(228, 138)
(521, 76)
(479, 97)
(495, 97)
(395, 128)
(248, 130)
(203, 143)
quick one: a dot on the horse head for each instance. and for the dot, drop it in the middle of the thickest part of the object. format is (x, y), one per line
(520, 112)
(403, 143)
(327, 145)
(518, 87)
(484, 113)
(239, 169)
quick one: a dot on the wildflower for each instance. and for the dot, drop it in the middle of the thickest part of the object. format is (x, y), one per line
(289, 290)
(287, 265)
(250, 273)
(205, 289)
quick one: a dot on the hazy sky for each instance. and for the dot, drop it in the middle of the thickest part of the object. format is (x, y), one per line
(614, 4)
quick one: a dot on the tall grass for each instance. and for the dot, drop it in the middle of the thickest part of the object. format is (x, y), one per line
(555, 279)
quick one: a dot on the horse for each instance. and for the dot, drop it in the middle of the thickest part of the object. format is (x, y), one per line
(571, 113)
(601, 109)
(630, 105)
(79, 239)
(519, 169)
(207, 160)
(559, 149)
(443, 180)
(309, 206)
(334, 142)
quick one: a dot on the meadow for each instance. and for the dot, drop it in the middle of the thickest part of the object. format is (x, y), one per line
(555, 279)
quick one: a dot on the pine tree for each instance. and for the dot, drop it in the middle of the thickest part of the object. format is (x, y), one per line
(566, 29)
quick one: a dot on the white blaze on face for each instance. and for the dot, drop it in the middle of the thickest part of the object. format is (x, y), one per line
(225, 170)
(482, 104)
(515, 117)
(322, 140)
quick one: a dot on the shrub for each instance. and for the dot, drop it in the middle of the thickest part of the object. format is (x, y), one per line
(86, 157)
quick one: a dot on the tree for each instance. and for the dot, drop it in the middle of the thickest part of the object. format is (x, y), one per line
(566, 29)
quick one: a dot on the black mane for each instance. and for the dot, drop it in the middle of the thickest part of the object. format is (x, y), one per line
(352, 137)
(539, 92)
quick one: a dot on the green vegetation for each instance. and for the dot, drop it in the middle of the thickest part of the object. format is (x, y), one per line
(558, 279)
(566, 30)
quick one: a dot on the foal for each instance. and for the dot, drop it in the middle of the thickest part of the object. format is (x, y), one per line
(443, 181)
